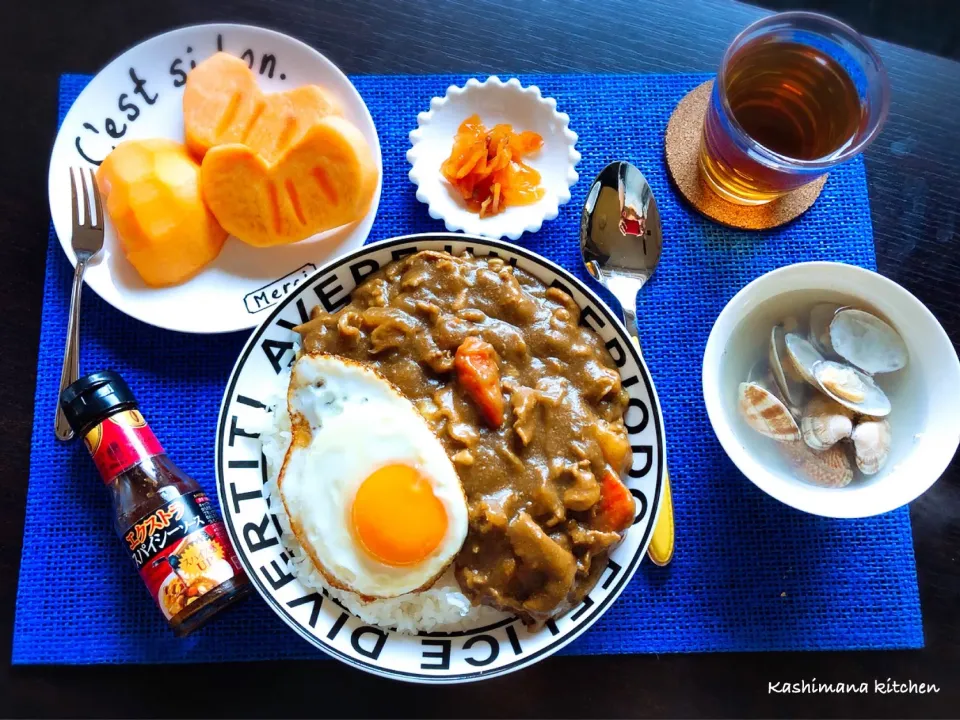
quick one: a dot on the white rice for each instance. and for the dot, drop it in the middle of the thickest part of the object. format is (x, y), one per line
(441, 608)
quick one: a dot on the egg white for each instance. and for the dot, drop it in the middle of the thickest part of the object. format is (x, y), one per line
(348, 422)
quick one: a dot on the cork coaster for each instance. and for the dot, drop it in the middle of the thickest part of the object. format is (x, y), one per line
(682, 147)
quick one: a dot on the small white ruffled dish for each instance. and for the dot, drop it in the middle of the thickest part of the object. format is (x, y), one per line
(495, 102)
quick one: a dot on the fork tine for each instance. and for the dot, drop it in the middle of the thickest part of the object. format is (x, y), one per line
(73, 194)
(98, 220)
(86, 199)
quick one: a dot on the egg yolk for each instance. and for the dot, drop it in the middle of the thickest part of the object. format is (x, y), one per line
(397, 517)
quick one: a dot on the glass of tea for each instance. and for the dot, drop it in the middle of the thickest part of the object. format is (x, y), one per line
(796, 95)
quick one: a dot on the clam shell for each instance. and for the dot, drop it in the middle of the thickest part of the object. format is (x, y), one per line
(867, 341)
(766, 414)
(803, 356)
(825, 422)
(756, 371)
(843, 382)
(789, 381)
(830, 468)
(820, 318)
(871, 444)
(760, 373)
(851, 388)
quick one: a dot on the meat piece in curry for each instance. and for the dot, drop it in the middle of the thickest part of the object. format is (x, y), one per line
(527, 403)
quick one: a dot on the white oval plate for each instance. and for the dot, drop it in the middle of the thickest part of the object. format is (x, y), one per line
(435, 657)
(139, 95)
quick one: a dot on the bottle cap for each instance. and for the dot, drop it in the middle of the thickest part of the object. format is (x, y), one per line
(90, 399)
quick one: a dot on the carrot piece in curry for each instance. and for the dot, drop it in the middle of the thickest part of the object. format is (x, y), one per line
(479, 375)
(616, 508)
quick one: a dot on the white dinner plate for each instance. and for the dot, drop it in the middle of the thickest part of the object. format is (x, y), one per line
(139, 95)
(480, 652)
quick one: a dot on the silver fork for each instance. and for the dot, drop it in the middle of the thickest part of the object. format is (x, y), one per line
(87, 241)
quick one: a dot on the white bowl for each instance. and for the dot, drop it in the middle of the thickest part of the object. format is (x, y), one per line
(495, 102)
(925, 395)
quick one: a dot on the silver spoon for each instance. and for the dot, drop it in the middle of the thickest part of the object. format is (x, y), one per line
(621, 239)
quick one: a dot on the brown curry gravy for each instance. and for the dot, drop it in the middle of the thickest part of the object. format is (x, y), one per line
(535, 546)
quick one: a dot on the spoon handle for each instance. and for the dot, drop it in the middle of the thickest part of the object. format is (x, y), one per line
(630, 320)
(660, 550)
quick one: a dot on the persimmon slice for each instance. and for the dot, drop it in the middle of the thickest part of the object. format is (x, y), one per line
(152, 194)
(222, 104)
(324, 180)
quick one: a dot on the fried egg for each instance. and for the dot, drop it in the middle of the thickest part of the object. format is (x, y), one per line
(369, 490)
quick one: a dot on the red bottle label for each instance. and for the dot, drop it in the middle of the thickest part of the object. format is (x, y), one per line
(182, 552)
(120, 442)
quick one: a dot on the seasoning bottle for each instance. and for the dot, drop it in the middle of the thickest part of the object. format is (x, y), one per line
(166, 522)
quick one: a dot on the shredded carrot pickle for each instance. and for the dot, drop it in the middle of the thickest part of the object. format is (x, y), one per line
(487, 169)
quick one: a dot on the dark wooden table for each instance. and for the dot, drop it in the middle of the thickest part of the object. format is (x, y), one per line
(914, 175)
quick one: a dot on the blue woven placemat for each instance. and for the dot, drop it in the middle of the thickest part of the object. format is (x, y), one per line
(749, 573)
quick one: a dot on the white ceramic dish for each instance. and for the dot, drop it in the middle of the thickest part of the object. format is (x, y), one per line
(472, 654)
(139, 95)
(925, 417)
(495, 102)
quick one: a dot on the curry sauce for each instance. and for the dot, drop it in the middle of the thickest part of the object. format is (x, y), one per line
(527, 403)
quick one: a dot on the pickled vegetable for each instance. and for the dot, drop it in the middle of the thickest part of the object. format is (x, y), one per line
(487, 169)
